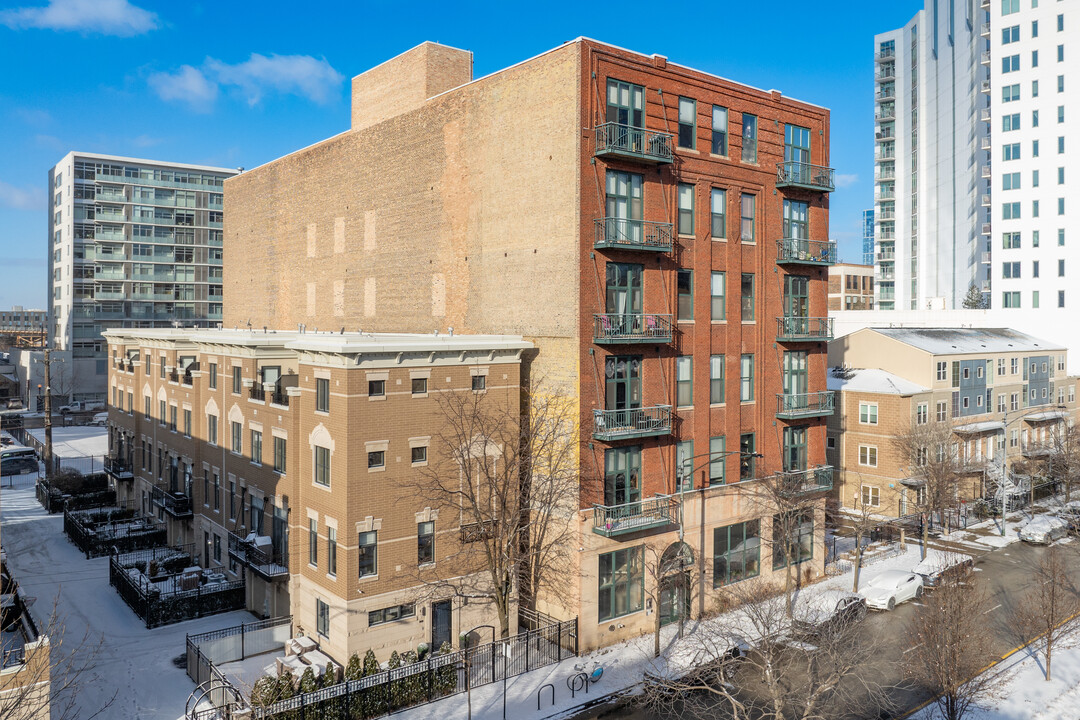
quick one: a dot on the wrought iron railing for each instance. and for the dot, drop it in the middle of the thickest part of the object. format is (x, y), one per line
(811, 480)
(816, 177)
(804, 404)
(804, 328)
(627, 140)
(632, 327)
(800, 250)
(612, 520)
(269, 564)
(175, 503)
(258, 392)
(119, 468)
(633, 234)
(633, 422)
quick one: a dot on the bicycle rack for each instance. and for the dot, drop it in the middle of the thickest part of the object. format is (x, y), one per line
(549, 685)
(577, 682)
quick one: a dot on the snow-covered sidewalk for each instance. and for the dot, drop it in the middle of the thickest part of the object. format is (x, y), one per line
(133, 663)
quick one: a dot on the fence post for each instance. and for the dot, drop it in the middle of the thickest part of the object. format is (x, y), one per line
(242, 655)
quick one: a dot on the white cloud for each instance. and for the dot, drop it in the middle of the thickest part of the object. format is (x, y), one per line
(843, 181)
(22, 198)
(107, 17)
(256, 77)
(189, 85)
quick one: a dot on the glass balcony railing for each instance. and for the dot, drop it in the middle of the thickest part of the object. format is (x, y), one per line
(626, 328)
(791, 406)
(633, 517)
(625, 234)
(804, 175)
(635, 143)
(632, 423)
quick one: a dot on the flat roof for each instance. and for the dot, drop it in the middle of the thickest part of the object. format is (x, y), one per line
(965, 341)
(872, 380)
(154, 163)
(345, 343)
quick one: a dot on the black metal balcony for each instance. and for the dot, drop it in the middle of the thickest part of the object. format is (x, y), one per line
(258, 392)
(798, 251)
(634, 143)
(631, 328)
(632, 423)
(661, 511)
(625, 234)
(175, 503)
(804, 482)
(792, 406)
(803, 329)
(805, 176)
(279, 397)
(267, 563)
(119, 469)
(174, 376)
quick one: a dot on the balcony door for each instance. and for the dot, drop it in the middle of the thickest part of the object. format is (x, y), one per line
(624, 304)
(796, 296)
(622, 475)
(622, 379)
(280, 533)
(796, 220)
(623, 208)
(796, 144)
(625, 103)
(795, 375)
(795, 448)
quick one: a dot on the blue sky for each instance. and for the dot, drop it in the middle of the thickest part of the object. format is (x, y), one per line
(240, 83)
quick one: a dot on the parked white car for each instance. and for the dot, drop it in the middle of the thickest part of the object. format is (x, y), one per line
(101, 419)
(815, 610)
(892, 587)
(1044, 529)
(940, 565)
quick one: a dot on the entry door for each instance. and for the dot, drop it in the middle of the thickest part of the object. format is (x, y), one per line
(206, 549)
(441, 623)
(623, 207)
(674, 598)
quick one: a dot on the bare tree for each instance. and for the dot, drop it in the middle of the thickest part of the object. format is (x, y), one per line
(1051, 609)
(950, 648)
(670, 575)
(745, 664)
(510, 476)
(863, 521)
(1063, 460)
(932, 457)
(48, 681)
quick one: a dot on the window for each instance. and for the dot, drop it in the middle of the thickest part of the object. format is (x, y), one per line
(1010, 299)
(620, 583)
(313, 542)
(1035, 233)
(322, 618)
(1010, 63)
(1061, 176)
(868, 413)
(279, 454)
(1061, 268)
(1061, 53)
(921, 413)
(368, 553)
(211, 429)
(376, 459)
(479, 382)
(717, 449)
(1061, 145)
(390, 614)
(1010, 122)
(187, 422)
(718, 291)
(172, 418)
(871, 496)
(684, 466)
(376, 388)
(322, 394)
(736, 552)
(1061, 206)
(687, 122)
(237, 383)
(686, 209)
(256, 446)
(419, 386)
(1011, 151)
(161, 368)
(1061, 83)
(719, 131)
(1010, 181)
(1034, 28)
(1034, 148)
(1010, 270)
(161, 412)
(747, 293)
(1061, 298)
(625, 103)
(1034, 208)
(331, 550)
(217, 492)
(1010, 93)
(213, 376)
(425, 543)
(868, 455)
(718, 206)
(1061, 237)
(942, 411)
(1010, 240)
(322, 466)
(685, 288)
(749, 138)
(747, 443)
(716, 379)
(1010, 35)
(942, 371)
(1060, 23)
(747, 207)
(1010, 211)
(684, 381)
(796, 538)
(1034, 58)
(237, 437)
(746, 378)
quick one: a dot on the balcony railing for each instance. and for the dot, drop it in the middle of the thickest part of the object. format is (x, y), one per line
(885, 55)
(886, 255)
(795, 329)
(174, 376)
(175, 503)
(280, 397)
(790, 406)
(263, 560)
(258, 392)
(985, 115)
(986, 201)
(985, 228)
(885, 94)
(984, 86)
(624, 234)
(805, 252)
(885, 113)
(986, 144)
(632, 423)
(804, 175)
(986, 171)
(885, 74)
(1035, 450)
(627, 141)
(625, 328)
(614, 520)
(984, 29)
(119, 468)
(804, 482)
(985, 58)
(886, 173)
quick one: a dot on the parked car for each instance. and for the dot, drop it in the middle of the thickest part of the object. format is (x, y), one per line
(1044, 529)
(81, 406)
(815, 611)
(1071, 515)
(101, 418)
(942, 565)
(888, 589)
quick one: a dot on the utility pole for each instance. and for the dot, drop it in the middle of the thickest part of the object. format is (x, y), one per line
(48, 412)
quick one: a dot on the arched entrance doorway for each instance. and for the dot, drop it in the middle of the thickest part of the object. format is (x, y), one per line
(674, 580)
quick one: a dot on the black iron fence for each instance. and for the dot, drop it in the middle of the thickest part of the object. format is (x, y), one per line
(153, 584)
(437, 677)
(106, 531)
(92, 493)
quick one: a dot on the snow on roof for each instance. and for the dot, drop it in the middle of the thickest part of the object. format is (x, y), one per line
(963, 341)
(1046, 415)
(76, 441)
(872, 380)
(978, 427)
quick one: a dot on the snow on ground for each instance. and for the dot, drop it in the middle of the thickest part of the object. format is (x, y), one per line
(82, 447)
(134, 663)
